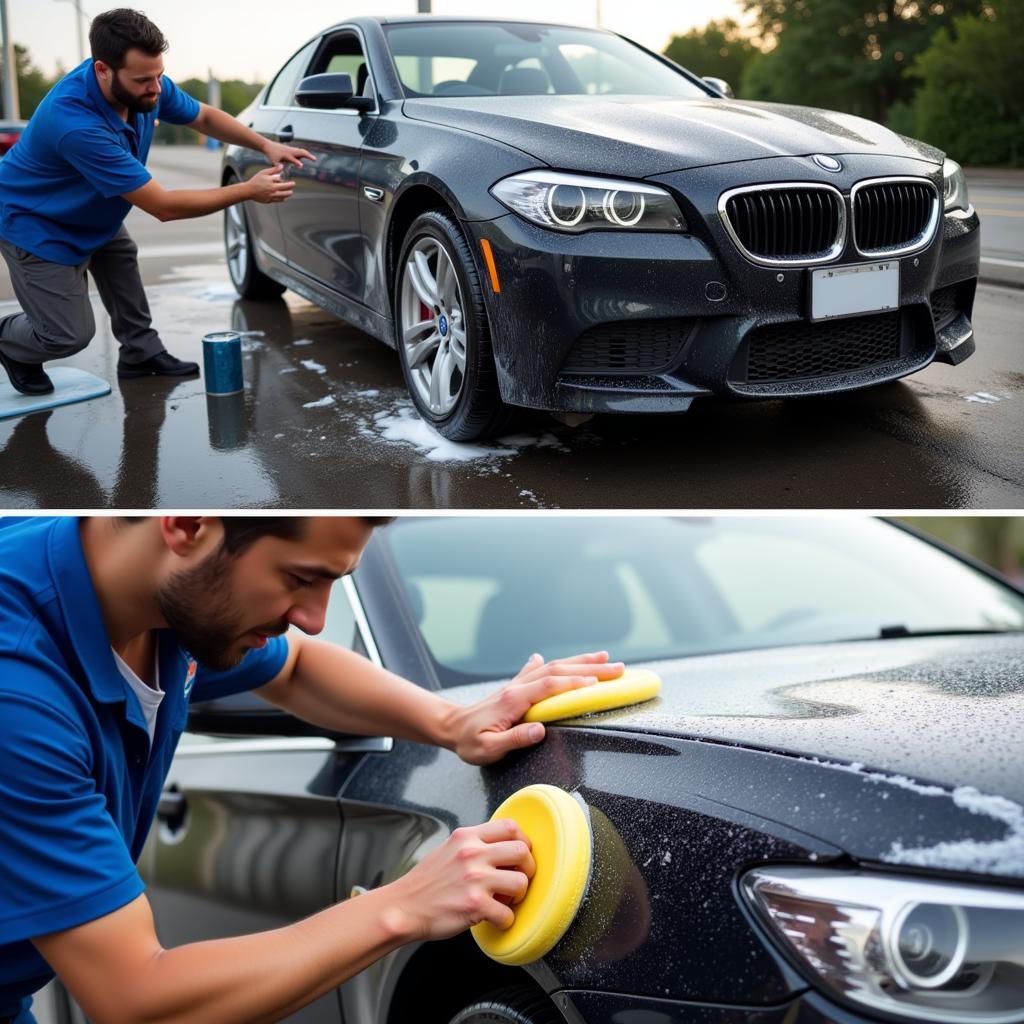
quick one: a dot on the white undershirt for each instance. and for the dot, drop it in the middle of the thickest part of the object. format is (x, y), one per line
(149, 696)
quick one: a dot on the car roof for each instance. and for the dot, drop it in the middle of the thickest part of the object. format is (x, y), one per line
(412, 19)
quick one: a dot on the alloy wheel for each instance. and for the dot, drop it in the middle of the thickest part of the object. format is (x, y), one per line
(432, 329)
(236, 239)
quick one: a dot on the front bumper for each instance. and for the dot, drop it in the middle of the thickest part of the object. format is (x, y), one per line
(610, 321)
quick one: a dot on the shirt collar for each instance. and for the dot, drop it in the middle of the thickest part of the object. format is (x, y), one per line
(100, 101)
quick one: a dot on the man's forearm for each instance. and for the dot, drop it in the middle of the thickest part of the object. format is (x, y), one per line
(180, 204)
(225, 128)
(338, 689)
(269, 975)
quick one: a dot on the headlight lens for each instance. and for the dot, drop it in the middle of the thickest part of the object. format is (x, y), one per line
(575, 203)
(907, 946)
(954, 186)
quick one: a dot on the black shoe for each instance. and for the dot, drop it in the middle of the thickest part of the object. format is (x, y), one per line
(28, 378)
(163, 364)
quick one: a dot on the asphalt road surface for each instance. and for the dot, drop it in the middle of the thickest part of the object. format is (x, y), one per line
(325, 422)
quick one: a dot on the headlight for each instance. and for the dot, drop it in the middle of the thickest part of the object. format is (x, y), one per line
(954, 186)
(574, 203)
(919, 949)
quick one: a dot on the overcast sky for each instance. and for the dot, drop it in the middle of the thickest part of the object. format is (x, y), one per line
(249, 39)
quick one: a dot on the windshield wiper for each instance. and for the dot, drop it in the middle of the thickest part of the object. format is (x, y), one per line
(896, 632)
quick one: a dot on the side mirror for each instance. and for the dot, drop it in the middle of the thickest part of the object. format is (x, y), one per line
(330, 92)
(722, 86)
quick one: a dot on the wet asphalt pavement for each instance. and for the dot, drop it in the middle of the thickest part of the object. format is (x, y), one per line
(325, 423)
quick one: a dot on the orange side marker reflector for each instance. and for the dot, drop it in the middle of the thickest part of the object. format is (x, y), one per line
(491, 268)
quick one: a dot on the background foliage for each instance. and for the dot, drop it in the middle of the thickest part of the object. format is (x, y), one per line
(945, 71)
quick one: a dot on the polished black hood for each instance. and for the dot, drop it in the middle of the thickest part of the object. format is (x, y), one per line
(941, 710)
(642, 136)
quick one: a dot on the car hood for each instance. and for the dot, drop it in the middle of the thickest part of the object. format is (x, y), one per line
(643, 136)
(943, 710)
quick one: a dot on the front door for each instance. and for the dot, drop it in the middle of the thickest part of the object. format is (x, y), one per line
(321, 220)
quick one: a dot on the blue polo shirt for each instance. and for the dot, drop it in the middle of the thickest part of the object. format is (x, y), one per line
(79, 783)
(61, 185)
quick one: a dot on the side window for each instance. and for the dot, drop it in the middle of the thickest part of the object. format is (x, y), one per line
(281, 92)
(340, 624)
(343, 54)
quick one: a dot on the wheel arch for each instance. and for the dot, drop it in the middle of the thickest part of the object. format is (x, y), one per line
(415, 198)
(455, 973)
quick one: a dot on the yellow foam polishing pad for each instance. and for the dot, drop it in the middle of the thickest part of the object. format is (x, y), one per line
(632, 687)
(559, 833)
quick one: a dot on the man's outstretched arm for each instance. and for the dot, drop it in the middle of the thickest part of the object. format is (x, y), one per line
(118, 972)
(179, 204)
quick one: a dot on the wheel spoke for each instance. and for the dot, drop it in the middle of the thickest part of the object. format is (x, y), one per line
(441, 380)
(422, 280)
(416, 354)
(410, 333)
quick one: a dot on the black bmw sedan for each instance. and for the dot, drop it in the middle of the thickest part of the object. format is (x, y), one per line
(554, 217)
(821, 818)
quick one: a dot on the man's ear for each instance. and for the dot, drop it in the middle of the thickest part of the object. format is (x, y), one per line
(185, 535)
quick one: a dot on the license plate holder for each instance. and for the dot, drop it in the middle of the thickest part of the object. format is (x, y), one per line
(853, 289)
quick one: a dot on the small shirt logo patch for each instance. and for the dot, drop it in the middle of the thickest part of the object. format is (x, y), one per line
(190, 677)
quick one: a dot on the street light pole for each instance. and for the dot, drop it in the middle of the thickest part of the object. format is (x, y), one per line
(424, 7)
(11, 107)
(79, 14)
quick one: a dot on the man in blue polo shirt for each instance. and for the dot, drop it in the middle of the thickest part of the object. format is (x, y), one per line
(67, 186)
(108, 627)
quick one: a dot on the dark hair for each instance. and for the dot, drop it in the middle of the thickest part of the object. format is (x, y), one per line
(113, 33)
(241, 532)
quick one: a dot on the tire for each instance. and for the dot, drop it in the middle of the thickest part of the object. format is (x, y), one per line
(517, 1005)
(448, 363)
(249, 281)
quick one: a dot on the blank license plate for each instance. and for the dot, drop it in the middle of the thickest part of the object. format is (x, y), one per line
(864, 288)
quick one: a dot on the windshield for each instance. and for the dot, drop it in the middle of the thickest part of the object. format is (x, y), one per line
(487, 592)
(446, 58)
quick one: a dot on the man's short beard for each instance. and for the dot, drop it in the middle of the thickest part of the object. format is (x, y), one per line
(135, 104)
(197, 604)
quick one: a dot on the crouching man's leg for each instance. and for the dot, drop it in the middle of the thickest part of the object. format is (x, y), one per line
(115, 269)
(56, 319)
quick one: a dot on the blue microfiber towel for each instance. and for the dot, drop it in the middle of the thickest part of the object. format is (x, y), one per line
(69, 385)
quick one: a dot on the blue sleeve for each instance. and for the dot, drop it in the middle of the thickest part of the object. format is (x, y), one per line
(259, 666)
(176, 106)
(102, 161)
(64, 859)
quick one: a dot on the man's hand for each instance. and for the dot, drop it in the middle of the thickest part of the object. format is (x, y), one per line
(279, 153)
(267, 186)
(472, 877)
(486, 731)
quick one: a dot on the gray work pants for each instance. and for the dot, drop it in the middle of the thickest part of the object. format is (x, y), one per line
(57, 318)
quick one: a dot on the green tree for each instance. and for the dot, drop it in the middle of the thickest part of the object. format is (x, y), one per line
(33, 85)
(971, 99)
(719, 50)
(848, 55)
(235, 96)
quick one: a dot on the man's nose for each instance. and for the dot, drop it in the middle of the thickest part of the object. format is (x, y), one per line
(310, 614)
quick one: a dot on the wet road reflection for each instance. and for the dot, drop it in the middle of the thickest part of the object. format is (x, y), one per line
(325, 422)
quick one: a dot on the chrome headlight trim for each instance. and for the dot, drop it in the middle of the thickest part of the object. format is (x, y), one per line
(841, 927)
(954, 187)
(531, 195)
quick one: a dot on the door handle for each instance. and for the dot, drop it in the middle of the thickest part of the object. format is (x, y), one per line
(172, 804)
(172, 809)
(285, 133)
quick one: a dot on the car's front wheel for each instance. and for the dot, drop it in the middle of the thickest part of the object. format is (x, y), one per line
(518, 1005)
(249, 281)
(443, 336)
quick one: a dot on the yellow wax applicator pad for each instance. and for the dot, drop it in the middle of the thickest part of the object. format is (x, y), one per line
(632, 687)
(559, 832)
